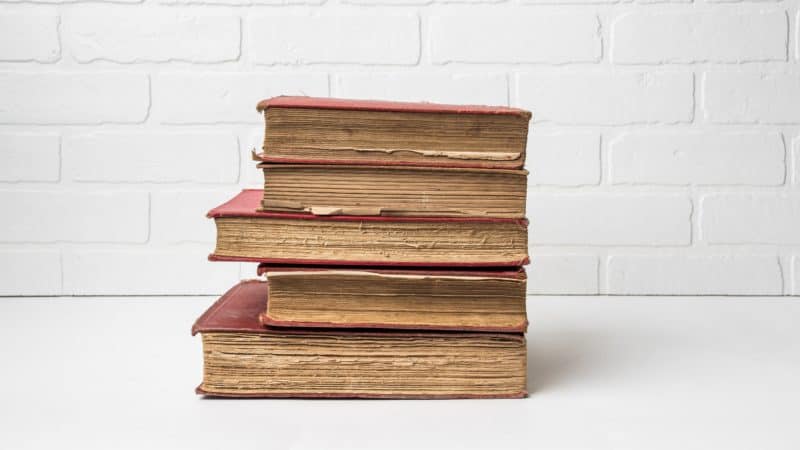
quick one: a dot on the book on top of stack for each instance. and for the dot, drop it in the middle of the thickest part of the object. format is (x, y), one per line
(392, 238)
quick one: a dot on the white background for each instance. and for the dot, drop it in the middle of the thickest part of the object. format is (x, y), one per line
(664, 149)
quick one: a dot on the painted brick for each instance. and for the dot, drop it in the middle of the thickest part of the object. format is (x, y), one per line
(523, 35)
(607, 97)
(146, 272)
(796, 161)
(746, 158)
(73, 98)
(353, 39)
(29, 157)
(750, 218)
(477, 89)
(29, 37)
(67, 1)
(562, 274)
(688, 37)
(571, 2)
(415, 2)
(182, 98)
(751, 97)
(145, 34)
(743, 1)
(609, 219)
(243, 2)
(76, 79)
(567, 159)
(250, 176)
(204, 157)
(30, 272)
(180, 216)
(58, 216)
(694, 275)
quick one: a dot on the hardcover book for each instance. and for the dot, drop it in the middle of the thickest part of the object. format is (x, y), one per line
(246, 234)
(394, 191)
(243, 358)
(476, 300)
(310, 130)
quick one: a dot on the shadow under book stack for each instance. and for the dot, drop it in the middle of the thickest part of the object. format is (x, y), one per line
(392, 237)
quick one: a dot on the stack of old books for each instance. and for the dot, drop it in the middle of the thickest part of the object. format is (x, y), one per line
(392, 237)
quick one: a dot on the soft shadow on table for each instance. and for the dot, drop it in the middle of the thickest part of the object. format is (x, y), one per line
(555, 358)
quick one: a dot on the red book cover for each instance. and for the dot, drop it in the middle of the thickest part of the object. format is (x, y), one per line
(383, 105)
(239, 311)
(246, 204)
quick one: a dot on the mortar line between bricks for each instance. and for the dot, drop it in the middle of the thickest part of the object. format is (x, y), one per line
(189, 297)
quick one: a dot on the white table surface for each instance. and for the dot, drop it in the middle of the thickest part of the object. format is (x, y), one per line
(604, 373)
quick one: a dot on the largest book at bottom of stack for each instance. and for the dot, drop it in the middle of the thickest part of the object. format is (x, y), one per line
(244, 358)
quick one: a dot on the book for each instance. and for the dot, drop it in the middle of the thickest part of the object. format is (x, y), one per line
(244, 358)
(336, 131)
(246, 234)
(420, 299)
(394, 191)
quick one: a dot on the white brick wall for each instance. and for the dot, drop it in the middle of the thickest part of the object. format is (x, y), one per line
(642, 37)
(607, 97)
(609, 219)
(699, 275)
(327, 38)
(29, 37)
(29, 157)
(563, 159)
(521, 37)
(72, 98)
(150, 34)
(718, 157)
(442, 87)
(751, 97)
(664, 151)
(157, 157)
(215, 98)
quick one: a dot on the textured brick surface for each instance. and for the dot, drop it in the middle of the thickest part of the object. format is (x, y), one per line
(609, 219)
(606, 97)
(568, 159)
(30, 272)
(179, 216)
(698, 158)
(203, 157)
(354, 39)
(750, 218)
(61, 97)
(664, 152)
(692, 275)
(218, 98)
(563, 274)
(512, 38)
(180, 270)
(29, 157)
(751, 97)
(150, 34)
(795, 271)
(57, 216)
(29, 37)
(685, 37)
(480, 89)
